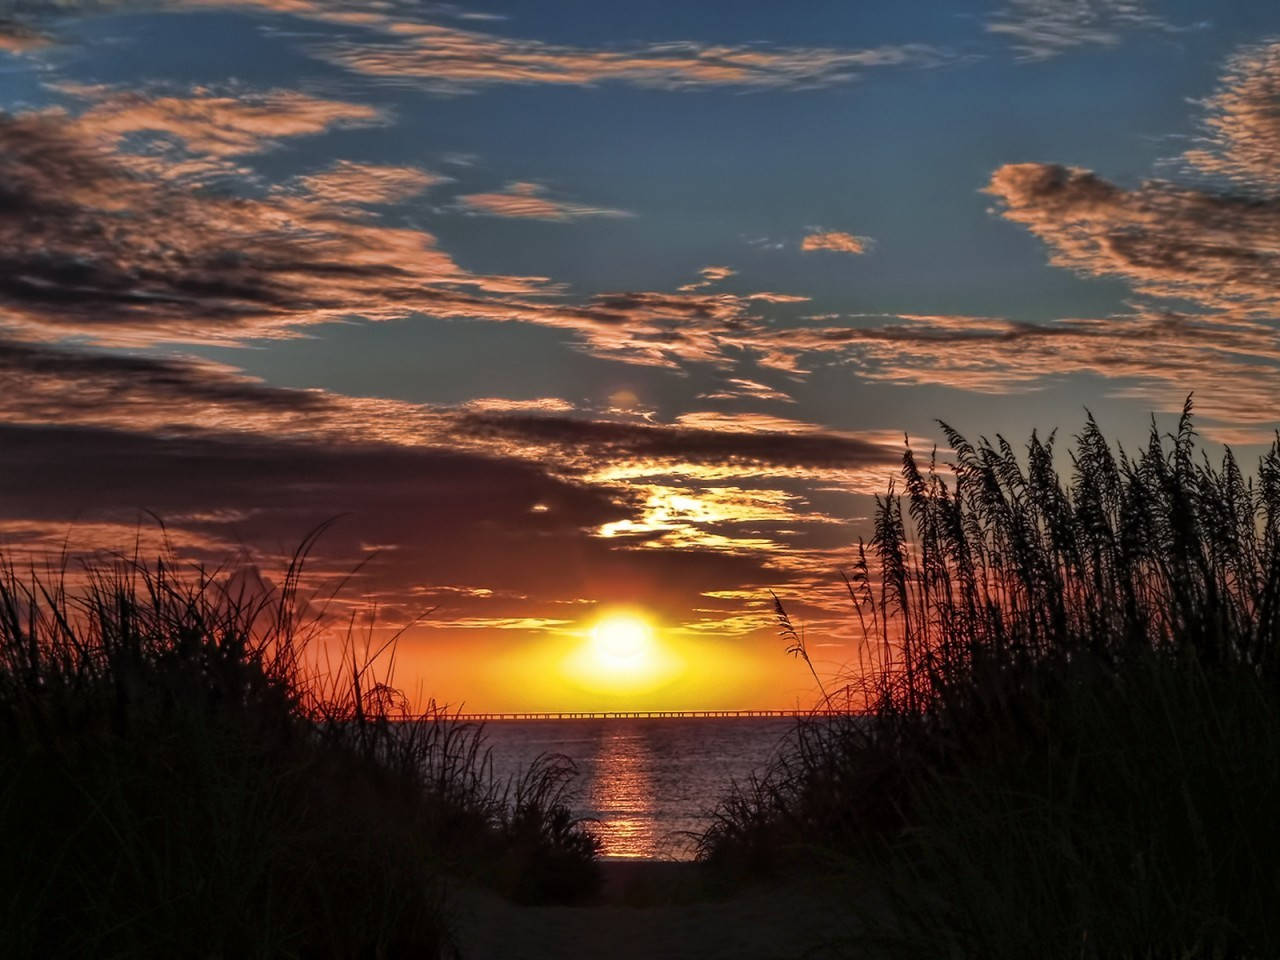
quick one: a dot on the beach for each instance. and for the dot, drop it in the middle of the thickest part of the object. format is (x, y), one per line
(660, 910)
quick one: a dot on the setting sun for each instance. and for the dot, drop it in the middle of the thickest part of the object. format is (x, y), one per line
(622, 654)
(622, 642)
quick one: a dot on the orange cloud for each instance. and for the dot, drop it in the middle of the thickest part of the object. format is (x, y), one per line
(736, 388)
(449, 59)
(182, 396)
(347, 184)
(17, 38)
(1155, 357)
(1217, 250)
(834, 241)
(527, 201)
(421, 46)
(709, 277)
(125, 249)
(121, 253)
(1243, 122)
(649, 510)
(219, 126)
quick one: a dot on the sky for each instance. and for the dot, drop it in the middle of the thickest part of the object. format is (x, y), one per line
(570, 311)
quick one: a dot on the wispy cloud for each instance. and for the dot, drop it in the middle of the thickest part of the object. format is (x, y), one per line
(529, 201)
(95, 243)
(403, 41)
(708, 277)
(1218, 250)
(220, 125)
(346, 184)
(1152, 356)
(1204, 261)
(744, 388)
(18, 38)
(834, 241)
(1041, 29)
(187, 397)
(1243, 121)
(123, 249)
(450, 60)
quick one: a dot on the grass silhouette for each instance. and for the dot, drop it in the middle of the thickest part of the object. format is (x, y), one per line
(178, 781)
(1068, 732)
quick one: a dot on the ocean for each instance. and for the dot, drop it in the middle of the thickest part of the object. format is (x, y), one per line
(647, 783)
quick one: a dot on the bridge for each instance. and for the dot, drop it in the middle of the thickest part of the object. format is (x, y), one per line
(643, 714)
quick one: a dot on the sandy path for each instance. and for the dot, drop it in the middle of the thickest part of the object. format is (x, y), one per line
(651, 911)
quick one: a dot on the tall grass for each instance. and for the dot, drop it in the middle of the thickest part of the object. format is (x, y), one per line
(1068, 739)
(182, 775)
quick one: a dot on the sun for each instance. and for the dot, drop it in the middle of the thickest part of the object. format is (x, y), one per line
(621, 654)
(622, 641)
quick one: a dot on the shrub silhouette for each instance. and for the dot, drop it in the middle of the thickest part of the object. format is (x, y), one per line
(181, 778)
(1065, 737)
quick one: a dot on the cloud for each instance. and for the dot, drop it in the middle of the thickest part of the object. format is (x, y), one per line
(1153, 356)
(724, 444)
(98, 246)
(419, 45)
(1205, 262)
(347, 184)
(528, 201)
(834, 241)
(220, 126)
(448, 514)
(188, 397)
(476, 495)
(93, 244)
(1243, 121)
(743, 388)
(1217, 250)
(450, 60)
(648, 328)
(17, 38)
(122, 249)
(1042, 29)
(709, 276)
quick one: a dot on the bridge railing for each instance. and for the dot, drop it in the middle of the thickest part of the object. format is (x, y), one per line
(641, 714)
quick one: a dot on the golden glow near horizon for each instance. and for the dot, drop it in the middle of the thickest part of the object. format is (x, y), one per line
(622, 654)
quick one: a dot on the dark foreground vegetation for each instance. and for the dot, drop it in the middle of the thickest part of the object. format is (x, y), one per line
(1070, 737)
(176, 781)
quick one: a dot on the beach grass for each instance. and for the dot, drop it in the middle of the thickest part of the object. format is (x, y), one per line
(1065, 728)
(181, 776)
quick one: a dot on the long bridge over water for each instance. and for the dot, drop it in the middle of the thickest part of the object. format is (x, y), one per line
(643, 714)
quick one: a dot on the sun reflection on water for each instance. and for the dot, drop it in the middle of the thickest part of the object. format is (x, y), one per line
(645, 786)
(622, 796)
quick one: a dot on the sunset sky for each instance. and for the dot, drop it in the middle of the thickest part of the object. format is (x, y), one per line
(573, 310)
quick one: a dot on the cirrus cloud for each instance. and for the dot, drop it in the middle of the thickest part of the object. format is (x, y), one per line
(834, 241)
(447, 59)
(1042, 29)
(219, 125)
(1243, 120)
(1217, 250)
(528, 201)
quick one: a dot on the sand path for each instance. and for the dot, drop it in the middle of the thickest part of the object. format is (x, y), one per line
(654, 911)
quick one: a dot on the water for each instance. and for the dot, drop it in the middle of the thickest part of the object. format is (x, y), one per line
(646, 781)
